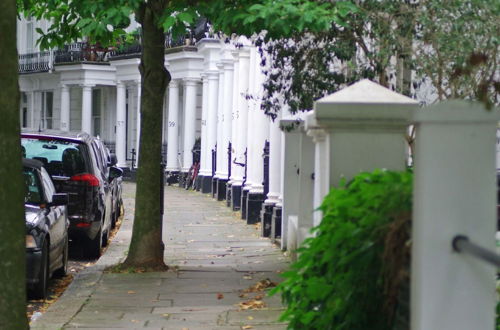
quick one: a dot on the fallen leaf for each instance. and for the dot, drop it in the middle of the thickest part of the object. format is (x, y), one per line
(247, 277)
(252, 304)
(250, 318)
(131, 292)
(245, 327)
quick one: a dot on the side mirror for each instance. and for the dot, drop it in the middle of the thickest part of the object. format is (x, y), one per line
(115, 172)
(112, 160)
(59, 199)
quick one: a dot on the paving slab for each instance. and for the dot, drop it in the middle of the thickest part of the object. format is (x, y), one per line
(213, 257)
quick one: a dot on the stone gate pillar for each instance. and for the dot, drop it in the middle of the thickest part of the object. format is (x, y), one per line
(454, 192)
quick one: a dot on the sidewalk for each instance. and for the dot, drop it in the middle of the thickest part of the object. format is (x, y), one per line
(218, 266)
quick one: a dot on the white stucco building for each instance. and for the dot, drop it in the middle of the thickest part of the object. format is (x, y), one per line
(84, 87)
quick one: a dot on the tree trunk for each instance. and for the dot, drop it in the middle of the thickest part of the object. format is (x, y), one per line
(12, 225)
(146, 247)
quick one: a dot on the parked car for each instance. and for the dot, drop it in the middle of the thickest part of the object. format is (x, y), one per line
(115, 180)
(46, 229)
(77, 166)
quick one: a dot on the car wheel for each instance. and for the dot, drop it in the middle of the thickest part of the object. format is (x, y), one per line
(39, 290)
(93, 246)
(63, 271)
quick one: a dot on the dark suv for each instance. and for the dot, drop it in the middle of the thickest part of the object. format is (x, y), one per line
(78, 167)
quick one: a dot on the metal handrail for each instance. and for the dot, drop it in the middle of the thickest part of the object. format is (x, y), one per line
(462, 244)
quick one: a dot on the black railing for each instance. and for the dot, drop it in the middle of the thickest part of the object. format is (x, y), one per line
(126, 51)
(243, 165)
(35, 62)
(81, 52)
(462, 244)
(265, 157)
(132, 159)
(214, 160)
(229, 153)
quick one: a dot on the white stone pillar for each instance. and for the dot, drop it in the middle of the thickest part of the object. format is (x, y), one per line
(321, 164)
(454, 192)
(253, 130)
(87, 108)
(274, 161)
(260, 136)
(173, 127)
(121, 113)
(189, 122)
(218, 113)
(366, 124)
(65, 108)
(227, 114)
(138, 122)
(234, 115)
(205, 163)
(242, 122)
(218, 185)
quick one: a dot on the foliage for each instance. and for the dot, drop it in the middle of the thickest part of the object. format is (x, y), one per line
(279, 19)
(456, 48)
(428, 49)
(338, 280)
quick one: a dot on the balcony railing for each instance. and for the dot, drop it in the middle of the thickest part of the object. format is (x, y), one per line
(132, 50)
(36, 62)
(81, 52)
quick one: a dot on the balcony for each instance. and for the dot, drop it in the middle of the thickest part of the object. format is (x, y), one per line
(81, 52)
(36, 62)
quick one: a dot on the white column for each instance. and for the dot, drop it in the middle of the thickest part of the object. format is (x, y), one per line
(205, 162)
(219, 114)
(32, 109)
(274, 161)
(87, 108)
(227, 114)
(138, 122)
(234, 116)
(253, 130)
(242, 113)
(65, 108)
(454, 193)
(121, 112)
(261, 123)
(321, 164)
(173, 126)
(189, 122)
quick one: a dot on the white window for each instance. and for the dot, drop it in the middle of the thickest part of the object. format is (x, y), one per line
(30, 34)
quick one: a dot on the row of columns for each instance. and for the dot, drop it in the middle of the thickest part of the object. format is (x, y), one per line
(121, 115)
(231, 117)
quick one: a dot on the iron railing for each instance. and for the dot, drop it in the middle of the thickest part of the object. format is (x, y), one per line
(36, 62)
(229, 153)
(462, 244)
(214, 160)
(81, 52)
(265, 156)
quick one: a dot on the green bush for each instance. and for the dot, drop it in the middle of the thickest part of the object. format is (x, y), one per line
(350, 274)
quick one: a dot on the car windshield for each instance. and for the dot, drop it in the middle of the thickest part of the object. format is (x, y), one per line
(33, 189)
(59, 157)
